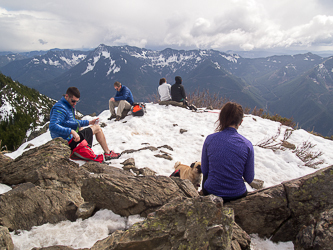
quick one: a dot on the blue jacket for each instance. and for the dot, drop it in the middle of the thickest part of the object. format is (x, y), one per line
(124, 94)
(62, 120)
(227, 158)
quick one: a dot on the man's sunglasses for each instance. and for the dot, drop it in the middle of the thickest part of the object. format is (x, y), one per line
(74, 101)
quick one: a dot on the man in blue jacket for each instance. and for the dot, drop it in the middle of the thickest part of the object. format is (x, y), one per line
(63, 124)
(123, 100)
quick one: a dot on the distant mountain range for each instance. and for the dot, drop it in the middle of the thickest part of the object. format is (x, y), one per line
(298, 86)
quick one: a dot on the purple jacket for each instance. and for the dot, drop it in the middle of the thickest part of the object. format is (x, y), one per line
(227, 158)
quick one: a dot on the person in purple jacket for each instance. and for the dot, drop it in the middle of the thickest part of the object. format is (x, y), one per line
(227, 157)
(63, 124)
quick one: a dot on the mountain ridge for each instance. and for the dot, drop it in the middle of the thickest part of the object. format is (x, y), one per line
(260, 82)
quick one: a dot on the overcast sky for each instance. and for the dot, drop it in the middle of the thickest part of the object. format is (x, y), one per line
(180, 24)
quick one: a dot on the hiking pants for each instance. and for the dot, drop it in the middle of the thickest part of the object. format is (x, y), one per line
(122, 104)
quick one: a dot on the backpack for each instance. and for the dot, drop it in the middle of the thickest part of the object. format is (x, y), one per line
(138, 109)
(83, 152)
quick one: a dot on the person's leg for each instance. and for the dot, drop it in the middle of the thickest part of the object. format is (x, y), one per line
(164, 103)
(112, 105)
(121, 106)
(85, 134)
(100, 137)
(178, 104)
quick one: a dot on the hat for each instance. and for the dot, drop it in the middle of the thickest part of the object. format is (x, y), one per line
(178, 79)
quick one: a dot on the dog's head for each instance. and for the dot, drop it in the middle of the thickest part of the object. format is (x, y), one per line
(196, 166)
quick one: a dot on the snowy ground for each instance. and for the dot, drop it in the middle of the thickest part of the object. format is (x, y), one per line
(161, 126)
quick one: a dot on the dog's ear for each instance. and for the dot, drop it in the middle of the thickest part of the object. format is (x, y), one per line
(192, 165)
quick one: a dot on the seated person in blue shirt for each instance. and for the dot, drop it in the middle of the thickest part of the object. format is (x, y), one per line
(227, 157)
(123, 100)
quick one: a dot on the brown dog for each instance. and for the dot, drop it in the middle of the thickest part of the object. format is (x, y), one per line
(192, 173)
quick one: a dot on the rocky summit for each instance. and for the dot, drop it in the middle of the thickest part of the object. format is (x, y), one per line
(52, 188)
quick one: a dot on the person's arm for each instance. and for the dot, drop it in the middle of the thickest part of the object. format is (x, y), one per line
(204, 167)
(74, 123)
(123, 95)
(183, 92)
(249, 166)
(204, 160)
(58, 115)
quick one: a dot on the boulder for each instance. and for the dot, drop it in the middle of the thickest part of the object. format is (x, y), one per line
(132, 195)
(183, 223)
(261, 212)
(28, 205)
(280, 212)
(318, 234)
(57, 248)
(47, 166)
(4, 159)
(102, 168)
(257, 184)
(6, 242)
(307, 197)
(240, 239)
(85, 210)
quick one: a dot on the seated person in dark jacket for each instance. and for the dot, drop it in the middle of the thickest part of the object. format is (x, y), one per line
(227, 157)
(63, 124)
(178, 94)
(123, 100)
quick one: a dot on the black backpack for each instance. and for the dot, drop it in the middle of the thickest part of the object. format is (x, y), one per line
(138, 109)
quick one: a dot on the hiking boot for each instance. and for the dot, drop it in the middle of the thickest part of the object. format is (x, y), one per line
(112, 117)
(118, 118)
(192, 107)
(111, 155)
(124, 113)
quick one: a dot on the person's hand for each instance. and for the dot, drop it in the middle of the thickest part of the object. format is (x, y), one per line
(112, 99)
(94, 121)
(75, 135)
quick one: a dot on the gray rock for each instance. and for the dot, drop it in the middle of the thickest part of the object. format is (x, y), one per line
(28, 205)
(257, 184)
(130, 195)
(47, 166)
(307, 197)
(280, 212)
(6, 242)
(184, 223)
(318, 234)
(262, 212)
(4, 159)
(85, 210)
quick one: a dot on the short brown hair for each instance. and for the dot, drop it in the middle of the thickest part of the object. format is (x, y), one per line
(73, 91)
(231, 115)
(162, 80)
(117, 84)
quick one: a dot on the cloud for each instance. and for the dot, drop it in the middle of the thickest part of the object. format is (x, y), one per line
(41, 41)
(223, 25)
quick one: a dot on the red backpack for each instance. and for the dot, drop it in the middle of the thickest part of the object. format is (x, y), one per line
(83, 152)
